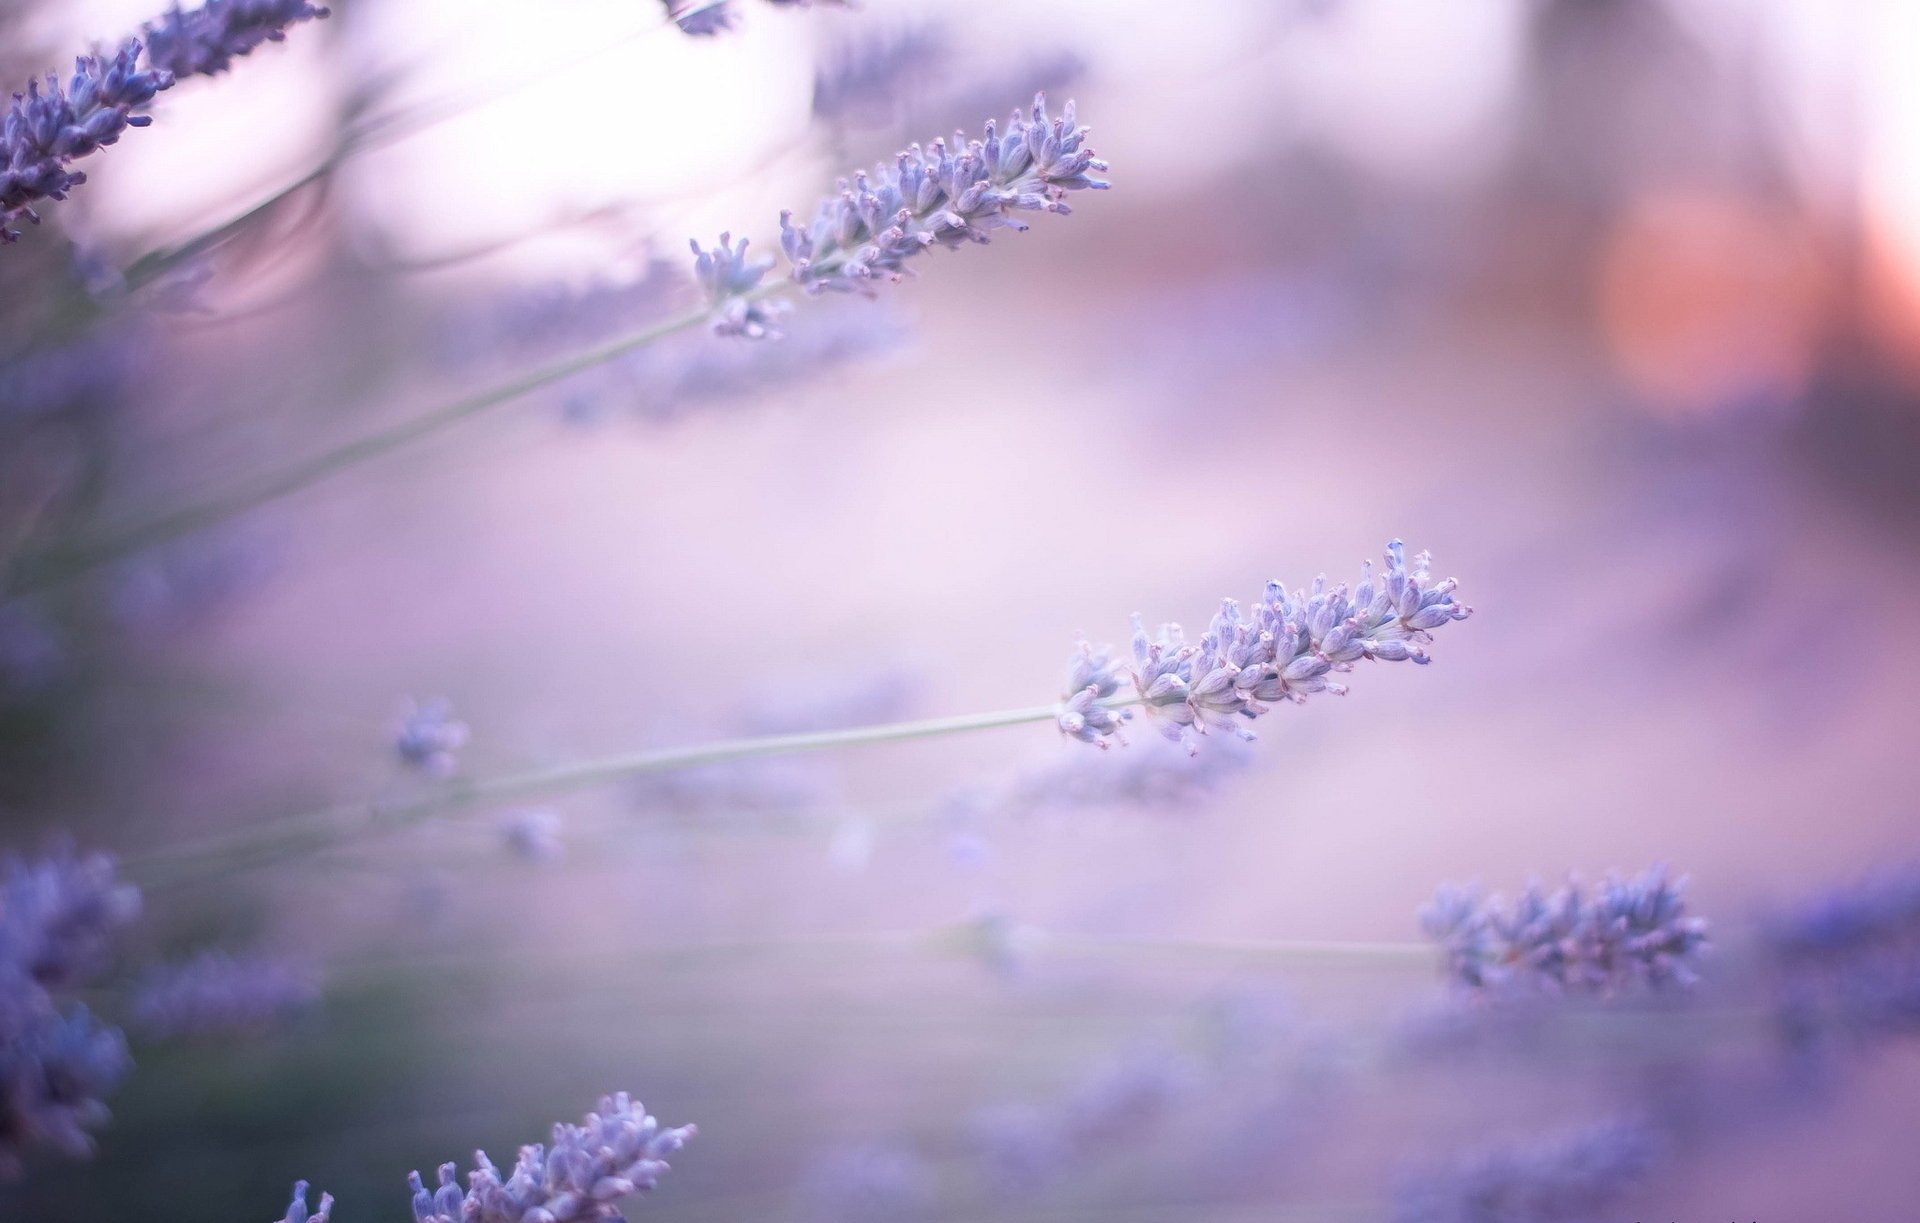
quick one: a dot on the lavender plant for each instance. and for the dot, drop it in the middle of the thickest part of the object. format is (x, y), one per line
(216, 994)
(614, 1153)
(297, 1211)
(1564, 1178)
(1630, 931)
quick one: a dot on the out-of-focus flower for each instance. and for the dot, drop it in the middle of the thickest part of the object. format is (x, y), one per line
(31, 655)
(55, 1070)
(873, 1182)
(1113, 1108)
(206, 40)
(428, 736)
(297, 1210)
(702, 18)
(45, 131)
(938, 195)
(731, 280)
(534, 836)
(1847, 960)
(1879, 911)
(216, 994)
(1629, 930)
(1286, 650)
(1563, 1179)
(611, 1155)
(59, 914)
(866, 77)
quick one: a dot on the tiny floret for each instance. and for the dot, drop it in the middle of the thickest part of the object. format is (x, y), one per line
(297, 1211)
(428, 736)
(730, 280)
(47, 128)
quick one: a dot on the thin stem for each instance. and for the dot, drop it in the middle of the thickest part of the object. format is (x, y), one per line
(274, 840)
(72, 560)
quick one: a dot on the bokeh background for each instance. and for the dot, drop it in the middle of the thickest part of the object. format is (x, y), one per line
(1612, 304)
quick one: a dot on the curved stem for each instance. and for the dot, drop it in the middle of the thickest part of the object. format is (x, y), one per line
(274, 840)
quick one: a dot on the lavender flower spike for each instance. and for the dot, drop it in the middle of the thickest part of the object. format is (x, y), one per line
(940, 195)
(216, 994)
(297, 1209)
(55, 1071)
(731, 281)
(1286, 649)
(44, 132)
(1566, 1178)
(1629, 930)
(702, 18)
(58, 915)
(612, 1154)
(207, 40)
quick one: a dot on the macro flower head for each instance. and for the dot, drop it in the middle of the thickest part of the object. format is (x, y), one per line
(1287, 648)
(205, 41)
(48, 128)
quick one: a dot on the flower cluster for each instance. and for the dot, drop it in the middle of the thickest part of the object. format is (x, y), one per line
(57, 917)
(297, 1211)
(215, 993)
(940, 195)
(1628, 930)
(1847, 960)
(46, 130)
(1286, 649)
(428, 736)
(731, 281)
(208, 39)
(1563, 1179)
(704, 18)
(614, 1153)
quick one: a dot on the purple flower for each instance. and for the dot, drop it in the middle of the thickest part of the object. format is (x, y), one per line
(731, 280)
(216, 994)
(55, 1070)
(534, 836)
(1878, 911)
(208, 39)
(1565, 1178)
(59, 914)
(943, 196)
(45, 131)
(865, 77)
(1630, 930)
(612, 1154)
(702, 18)
(428, 736)
(1287, 649)
(297, 1210)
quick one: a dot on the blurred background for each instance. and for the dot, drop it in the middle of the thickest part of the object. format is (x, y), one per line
(1614, 305)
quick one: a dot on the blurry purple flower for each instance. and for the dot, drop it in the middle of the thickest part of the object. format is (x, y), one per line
(730, 280)
(1285, 651)
(59, 913)
(535, 836)
(981, 87)
(90, 372)
(1566, 1178)
(297, 1209)
(428, 736)
(208, 39)
(612, 1154)
(702, 18)
(31, 656)
(866, 77)
(55, 1071)
(937, 195)
(1111, 1109)
(1878, 911)
(43, 132)
(170, 588)
(1628, 931)
(875, 1182)
(215, 994)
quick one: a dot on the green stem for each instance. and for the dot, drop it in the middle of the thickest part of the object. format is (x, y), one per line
(274, 840)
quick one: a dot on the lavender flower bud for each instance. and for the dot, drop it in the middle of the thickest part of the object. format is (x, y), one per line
(1631, 930)
(297, 1209)
(1287, 649)
(215, 994)
(42, 133)
(427, 736)
(55, 1071)
(207, 40)
(58, 916)
(730, 279)
(534, 836)
(1564, 1179)
(938, 195)
(612, 1154)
